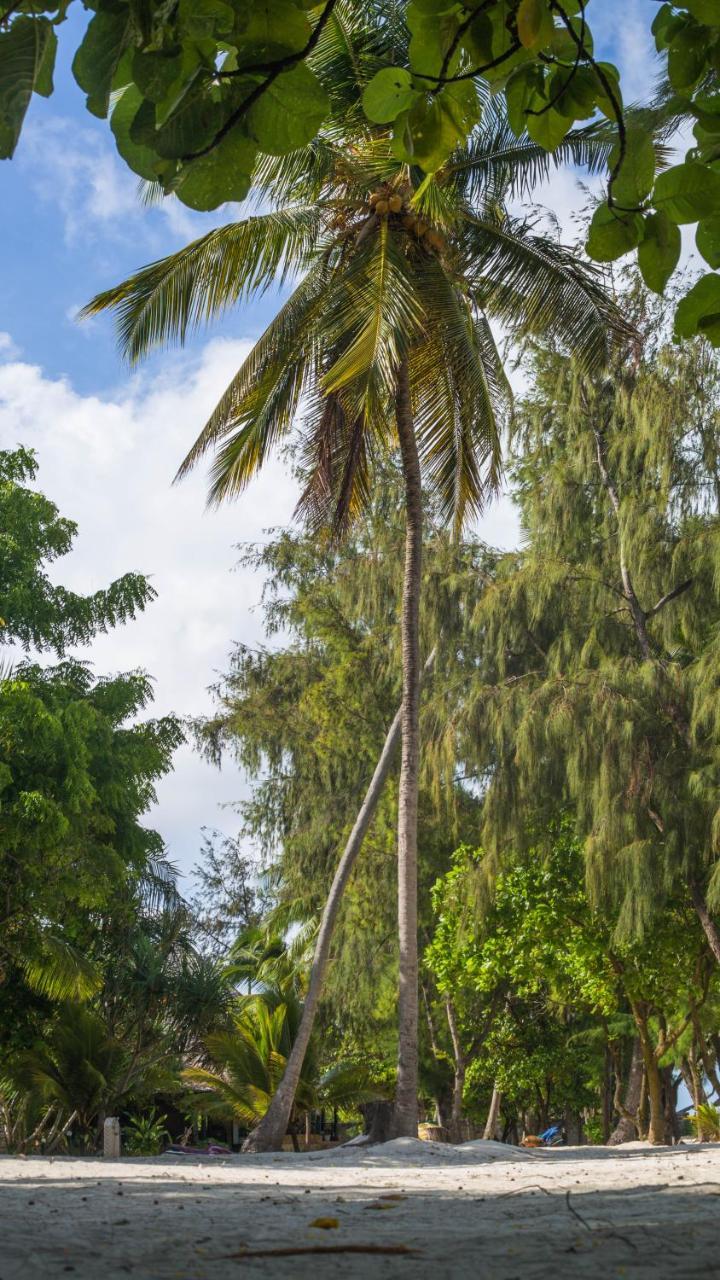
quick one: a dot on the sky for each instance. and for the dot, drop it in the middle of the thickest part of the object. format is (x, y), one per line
(109, 438)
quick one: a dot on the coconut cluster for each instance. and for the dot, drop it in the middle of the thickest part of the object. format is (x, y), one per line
(384, 203)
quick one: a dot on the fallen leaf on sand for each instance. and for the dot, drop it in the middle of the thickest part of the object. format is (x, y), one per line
(382, 1204)
(325, 1224)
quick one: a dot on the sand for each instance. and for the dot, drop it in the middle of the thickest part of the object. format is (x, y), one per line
(406, 1209)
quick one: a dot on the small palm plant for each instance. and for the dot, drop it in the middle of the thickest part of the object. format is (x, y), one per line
(386, 343)
(249, 1062)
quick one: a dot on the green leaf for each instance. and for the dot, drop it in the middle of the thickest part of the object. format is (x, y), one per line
(272, 28)
(44, 75)
(23, 67)
(706, 11)
(290, 111)
(578, 88)
(548, 128)
(193, 125)
(688, 192)
(707, 239)
(686, 58)
(535, 25)
(430, 41)
(94, 64)
(155, 73)
(699, 311)
(389, 92)
(635, 178)
(143, 160)
(613, 234)
(612, 75)
(223, 175)
(659, 251)
(524, 83)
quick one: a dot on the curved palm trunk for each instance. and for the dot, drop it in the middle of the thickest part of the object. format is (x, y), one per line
(405, 1117)
(269, 1134)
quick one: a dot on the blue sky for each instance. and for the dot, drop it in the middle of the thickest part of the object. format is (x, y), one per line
(109, 439)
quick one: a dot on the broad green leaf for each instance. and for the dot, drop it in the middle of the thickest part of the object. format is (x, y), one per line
(389, 92)
(661, 25)
(290, 111)
(94, 64)
(707, 11)
(143, 160)
(44, 75)
(707, 239)
(688, 192)
(659, 251)
(547, 128)
(635, 178)
(430, 41)
(524, 84)
(272, 27)
(192, 126)
(199, 18)
(613, 234)
(578, 88)
(224, 174)
(686, 58)
(156, 73)
(612, 75)
(23, 67)
(534, 24)
(699, 310)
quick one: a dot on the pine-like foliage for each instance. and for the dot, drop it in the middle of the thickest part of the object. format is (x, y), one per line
(598, 641)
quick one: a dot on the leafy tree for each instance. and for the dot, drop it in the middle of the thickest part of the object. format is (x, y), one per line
(34, 612)
(608, 618)
(387, 299)
(75, 776)
(225, 900)
(199, 97)
(543, 974)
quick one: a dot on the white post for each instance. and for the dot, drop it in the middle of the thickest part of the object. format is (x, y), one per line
(111, 1138)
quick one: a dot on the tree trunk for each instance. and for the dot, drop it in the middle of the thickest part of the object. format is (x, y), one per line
(269, 1134)
(712, 932)
(405, 1123)
(656, 1126)
(626, 1127)
(457, 1124)
(491, 1124)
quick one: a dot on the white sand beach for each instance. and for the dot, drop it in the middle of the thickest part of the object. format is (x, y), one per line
(405, 1209)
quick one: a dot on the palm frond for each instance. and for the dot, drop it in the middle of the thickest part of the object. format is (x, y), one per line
(57, 969)
(168, 299)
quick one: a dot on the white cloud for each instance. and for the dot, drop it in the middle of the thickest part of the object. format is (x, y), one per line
(8, 349)
(108, 463)
(77, 171)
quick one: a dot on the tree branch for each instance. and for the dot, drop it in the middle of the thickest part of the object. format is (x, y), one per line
(670, 595)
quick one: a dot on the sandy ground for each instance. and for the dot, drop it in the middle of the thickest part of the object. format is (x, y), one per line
(406, 1209)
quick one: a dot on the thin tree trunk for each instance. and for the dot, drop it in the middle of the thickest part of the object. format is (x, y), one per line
(712, 932)
(269, 1134)
(457, 1133)
(491, 1124)
(656, 1126)
(405, 1121)
(626, 1127)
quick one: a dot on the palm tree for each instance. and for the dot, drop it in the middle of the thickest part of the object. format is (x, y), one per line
(385, 341)
(249, 1061)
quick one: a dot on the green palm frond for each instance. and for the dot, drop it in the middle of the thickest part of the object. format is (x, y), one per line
(276, 368)
(168, 299)
(60, 971)
(534, 284)
(376, 308)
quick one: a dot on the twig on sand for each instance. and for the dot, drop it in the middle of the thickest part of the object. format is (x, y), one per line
(289, 1251)
(583, 1222)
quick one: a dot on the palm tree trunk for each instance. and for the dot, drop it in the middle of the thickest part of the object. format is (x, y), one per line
(626, 1128)
(405, 1119)
(269, 1134)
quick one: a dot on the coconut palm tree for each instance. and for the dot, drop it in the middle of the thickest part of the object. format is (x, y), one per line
(383, 343)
